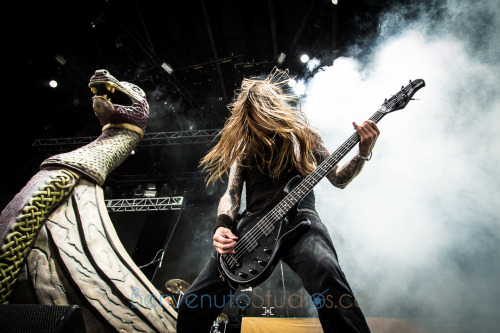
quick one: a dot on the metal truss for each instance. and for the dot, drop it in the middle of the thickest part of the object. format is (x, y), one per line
(179, 137)
(150, 139)
(145, 204)
(145, 178)
(62, 143)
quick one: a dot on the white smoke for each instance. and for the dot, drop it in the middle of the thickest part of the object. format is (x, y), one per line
(418, 231)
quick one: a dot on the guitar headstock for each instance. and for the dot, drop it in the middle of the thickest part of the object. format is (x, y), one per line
(403, 97)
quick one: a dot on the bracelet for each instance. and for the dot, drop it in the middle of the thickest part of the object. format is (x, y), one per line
(223, 220)
(369, 157)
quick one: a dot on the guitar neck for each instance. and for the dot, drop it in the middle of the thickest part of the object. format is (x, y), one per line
(307, 184)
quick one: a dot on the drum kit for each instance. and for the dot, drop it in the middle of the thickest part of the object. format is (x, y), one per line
(221, 321)
(178, 286)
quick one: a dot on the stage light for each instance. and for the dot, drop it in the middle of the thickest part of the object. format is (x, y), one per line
(304, 58)
(335, 2)
(53, 83)
(108, 192)
(60, 59)
(150, 191)
(165, 190)
(210, 190)
(139, 191)
(281, 58)
(167, 68)
(292, 83)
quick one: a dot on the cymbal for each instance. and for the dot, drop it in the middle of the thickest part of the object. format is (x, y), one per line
(177, 286)
(223, 318)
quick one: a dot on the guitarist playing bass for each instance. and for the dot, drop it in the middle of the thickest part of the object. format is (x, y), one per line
(265, 143)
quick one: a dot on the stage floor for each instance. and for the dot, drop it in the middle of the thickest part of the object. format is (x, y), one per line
(312, 325)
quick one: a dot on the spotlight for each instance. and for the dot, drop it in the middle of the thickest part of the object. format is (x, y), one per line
(60, 59)
(292, 83)
(210, 190)
(139, 191)
(304, 58)
(53, 83)
(335, 2)
(150, 191)
(165, 190)
(167, 68)
(108, 192)
(281, 58)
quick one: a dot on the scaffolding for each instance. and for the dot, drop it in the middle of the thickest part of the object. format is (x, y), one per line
(155, 177)
(150, 139)
(145, 204)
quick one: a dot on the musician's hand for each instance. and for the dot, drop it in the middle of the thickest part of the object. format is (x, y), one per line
(224, 240)
(368, 133)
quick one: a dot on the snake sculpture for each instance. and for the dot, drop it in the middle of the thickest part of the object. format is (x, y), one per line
(58, 244)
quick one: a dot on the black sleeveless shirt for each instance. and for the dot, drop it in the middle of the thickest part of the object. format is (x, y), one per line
(261, 187)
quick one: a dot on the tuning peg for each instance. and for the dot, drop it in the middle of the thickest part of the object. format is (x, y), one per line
(410, 81)
(402, 87)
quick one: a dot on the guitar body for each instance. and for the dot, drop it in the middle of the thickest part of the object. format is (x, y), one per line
(257, 263)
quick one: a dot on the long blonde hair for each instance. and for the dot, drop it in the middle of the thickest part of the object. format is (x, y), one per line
(260, 113)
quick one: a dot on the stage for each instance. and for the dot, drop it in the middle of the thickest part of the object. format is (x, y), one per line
(112, 237)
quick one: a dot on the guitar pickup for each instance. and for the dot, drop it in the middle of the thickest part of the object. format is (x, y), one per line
(267, 231)
(252, 246)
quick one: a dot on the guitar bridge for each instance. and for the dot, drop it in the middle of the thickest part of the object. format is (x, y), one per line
(231, 262)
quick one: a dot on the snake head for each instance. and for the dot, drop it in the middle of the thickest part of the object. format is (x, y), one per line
(117, 102)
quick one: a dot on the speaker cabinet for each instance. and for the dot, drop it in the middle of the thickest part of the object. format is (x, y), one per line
(27, 318)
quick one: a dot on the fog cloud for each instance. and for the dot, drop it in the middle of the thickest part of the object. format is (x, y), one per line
(419, 230)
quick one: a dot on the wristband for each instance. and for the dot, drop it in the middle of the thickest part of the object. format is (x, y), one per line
(223, 220)
(366, 158)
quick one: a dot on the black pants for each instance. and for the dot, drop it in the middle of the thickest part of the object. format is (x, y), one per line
(313, 257)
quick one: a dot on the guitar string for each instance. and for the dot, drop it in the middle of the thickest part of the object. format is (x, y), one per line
(267, 223)
(317, 173)
(253, 234)
(269, 220)
(274, 214)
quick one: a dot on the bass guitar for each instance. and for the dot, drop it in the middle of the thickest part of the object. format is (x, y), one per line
(262, 234)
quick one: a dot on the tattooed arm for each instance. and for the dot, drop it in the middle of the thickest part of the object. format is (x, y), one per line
(229, 204)
(227, 210)
(341, 176)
